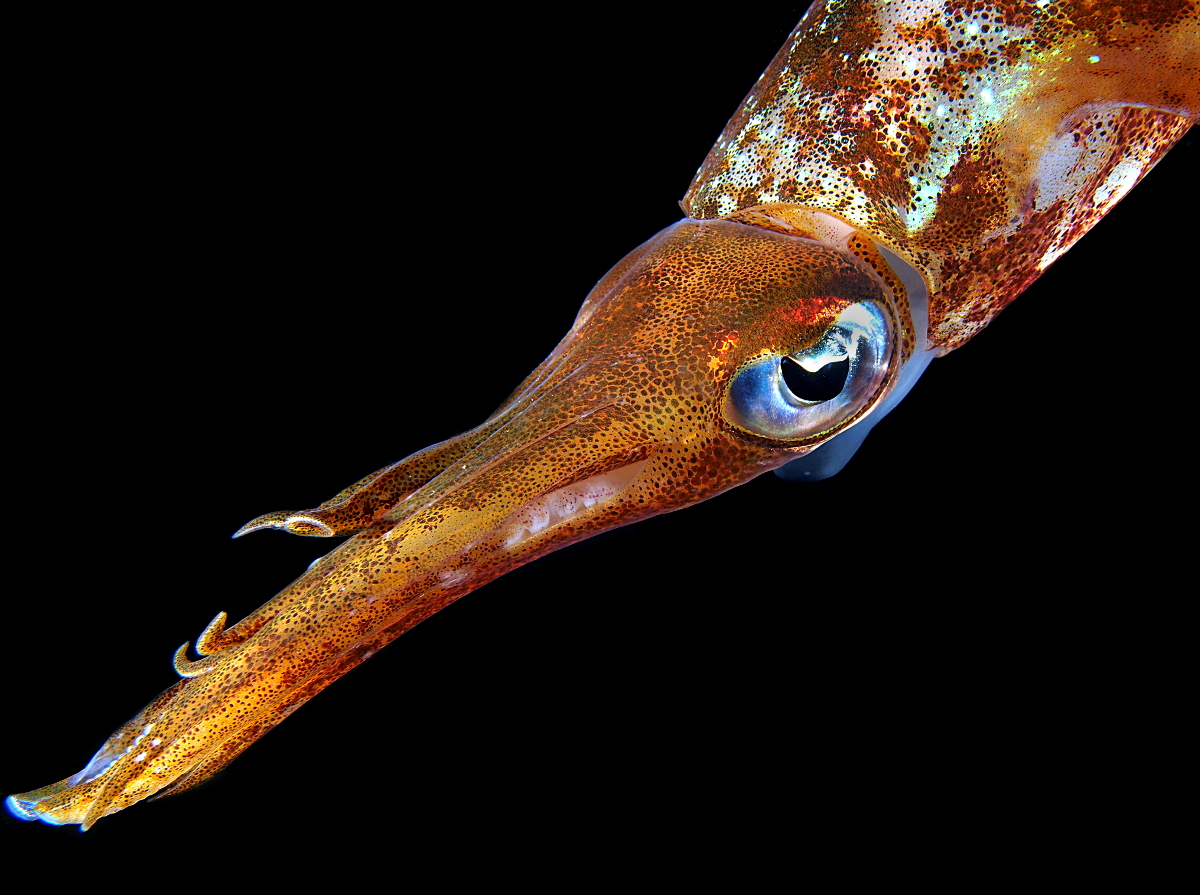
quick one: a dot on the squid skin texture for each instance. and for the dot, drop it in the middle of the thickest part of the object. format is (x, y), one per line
(191, 624)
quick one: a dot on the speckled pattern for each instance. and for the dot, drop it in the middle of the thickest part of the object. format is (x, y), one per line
(631, 397)
(977, 140)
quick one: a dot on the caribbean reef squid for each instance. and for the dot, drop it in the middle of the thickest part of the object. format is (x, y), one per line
(899, 174)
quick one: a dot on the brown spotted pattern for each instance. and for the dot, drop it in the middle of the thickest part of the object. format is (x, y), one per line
(978, 140)
(638, 383)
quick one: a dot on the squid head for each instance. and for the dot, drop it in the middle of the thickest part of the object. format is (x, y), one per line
(714, 352)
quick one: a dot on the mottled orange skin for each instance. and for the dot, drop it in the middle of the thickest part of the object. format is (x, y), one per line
(906, 113)
(639, 381)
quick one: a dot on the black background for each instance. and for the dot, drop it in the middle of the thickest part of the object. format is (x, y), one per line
(218, 312)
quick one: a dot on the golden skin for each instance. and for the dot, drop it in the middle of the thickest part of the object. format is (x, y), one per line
(682, 314)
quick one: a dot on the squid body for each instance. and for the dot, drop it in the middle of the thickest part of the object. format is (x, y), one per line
(900, 173)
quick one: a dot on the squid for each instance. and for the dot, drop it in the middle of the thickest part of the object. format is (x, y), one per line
(899, 174)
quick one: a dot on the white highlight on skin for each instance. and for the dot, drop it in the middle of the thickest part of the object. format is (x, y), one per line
(1121, 179)
(1066, 165)
(452, 577)
(566, 503)
(104, 760)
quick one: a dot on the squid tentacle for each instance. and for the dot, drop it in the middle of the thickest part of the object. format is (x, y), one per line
(889, 185)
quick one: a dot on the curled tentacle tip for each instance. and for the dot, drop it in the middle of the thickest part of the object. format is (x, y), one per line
(275, 520)
(209, 640)
(185, 667)
(180, 659)
(293, 523)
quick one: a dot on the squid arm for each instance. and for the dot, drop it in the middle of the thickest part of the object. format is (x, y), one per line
(531, 479)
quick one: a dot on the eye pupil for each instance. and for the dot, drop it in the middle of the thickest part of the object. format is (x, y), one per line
(816, 391)
(824, 384)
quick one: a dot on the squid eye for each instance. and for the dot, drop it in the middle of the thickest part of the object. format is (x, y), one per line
(811, 392)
